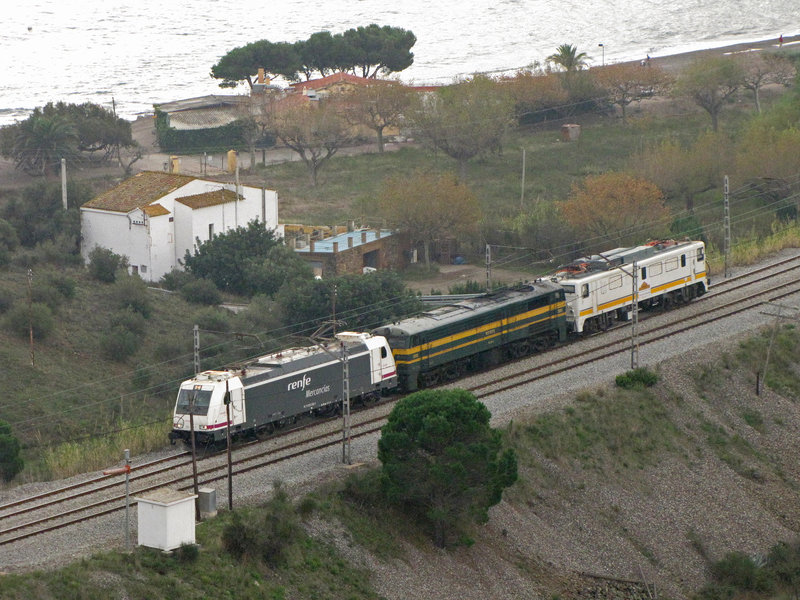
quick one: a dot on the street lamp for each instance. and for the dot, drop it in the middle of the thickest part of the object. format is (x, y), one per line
(603, 46)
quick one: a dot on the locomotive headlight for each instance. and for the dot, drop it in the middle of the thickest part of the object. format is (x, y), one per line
(178, 425)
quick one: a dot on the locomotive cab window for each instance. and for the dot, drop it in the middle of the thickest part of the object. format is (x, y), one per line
(644, 273)
(193, 402)
(683, 260)
(383, 352)
(700, 255)
(585, 290)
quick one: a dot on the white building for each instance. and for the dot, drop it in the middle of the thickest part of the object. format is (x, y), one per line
(154, 218)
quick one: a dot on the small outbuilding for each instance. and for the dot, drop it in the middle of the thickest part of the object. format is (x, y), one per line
(166, 518)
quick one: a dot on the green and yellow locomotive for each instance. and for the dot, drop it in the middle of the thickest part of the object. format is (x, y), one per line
(445, 342)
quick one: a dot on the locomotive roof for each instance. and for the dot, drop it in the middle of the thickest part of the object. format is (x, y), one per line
(290, 360)
(452, 313)
(584, 267)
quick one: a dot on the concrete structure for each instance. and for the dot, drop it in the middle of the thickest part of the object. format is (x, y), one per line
(165, 519)
(154, 218)
(352, 252)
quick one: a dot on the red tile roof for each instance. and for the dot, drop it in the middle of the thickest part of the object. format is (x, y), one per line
(138, 191)
(323, 82)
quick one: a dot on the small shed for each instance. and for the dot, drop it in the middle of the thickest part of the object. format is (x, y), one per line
(570, 132)
(166, 518)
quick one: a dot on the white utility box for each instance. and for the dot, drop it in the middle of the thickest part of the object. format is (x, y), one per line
(166, 518)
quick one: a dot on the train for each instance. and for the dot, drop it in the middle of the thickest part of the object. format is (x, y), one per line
(599, 288)
(442, 344)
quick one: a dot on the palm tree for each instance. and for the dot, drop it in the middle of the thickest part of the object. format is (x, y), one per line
(568, 58)
(41, 142)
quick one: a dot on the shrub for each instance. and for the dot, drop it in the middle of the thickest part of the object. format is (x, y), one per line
(131, 293)
(267, 540)
(468, 287)
(213, 319)
(739, 571)
(104, 264)
(119, 344)
(637, 379)
(130, 320)
(176, 279)
(11, 462)
(20, 318)
(63, 283)
(47, 294)
(201, 291)
(188, 553)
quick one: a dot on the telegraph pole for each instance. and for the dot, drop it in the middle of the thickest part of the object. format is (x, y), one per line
(635, 318)
(196, 337)
(345, 406)
(488, 268)
(727, 224)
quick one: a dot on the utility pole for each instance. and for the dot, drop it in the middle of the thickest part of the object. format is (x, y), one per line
(126, 470)
(196, 336)
(230, 463)
(192, 397)
(488, 268)
(30, 315)
(522, 190)
(635, 318)
(64, 183)
(727, 224)
(345, 406)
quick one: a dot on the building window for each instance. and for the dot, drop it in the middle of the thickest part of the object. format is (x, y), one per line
(144, 268)
(210, 230)
(134, 269)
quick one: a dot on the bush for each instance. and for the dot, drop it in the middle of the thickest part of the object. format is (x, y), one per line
(201, 291)
(104, 264)
(131, 293)
(176, 279)
(11, 462)
(739, 571)
(213, 319)
(19, 319)
(637, 379)
(45, 293)
(267, 540)
(119, 344)
(64, 284)
(130, 320)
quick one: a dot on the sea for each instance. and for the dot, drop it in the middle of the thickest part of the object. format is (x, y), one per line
(129, 54)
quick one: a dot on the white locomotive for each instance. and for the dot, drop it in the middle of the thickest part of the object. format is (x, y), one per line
(599, 289)
(273, 389)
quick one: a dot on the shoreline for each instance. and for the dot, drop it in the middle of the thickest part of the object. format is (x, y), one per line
(670, 62)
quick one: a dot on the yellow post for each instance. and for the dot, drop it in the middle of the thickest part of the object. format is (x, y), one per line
(232, 154)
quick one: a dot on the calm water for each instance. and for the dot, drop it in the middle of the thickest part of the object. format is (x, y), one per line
(151, 51)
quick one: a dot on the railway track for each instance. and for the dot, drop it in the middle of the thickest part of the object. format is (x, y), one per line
(98, 496)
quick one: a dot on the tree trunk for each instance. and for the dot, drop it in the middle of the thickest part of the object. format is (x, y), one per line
(380, 140)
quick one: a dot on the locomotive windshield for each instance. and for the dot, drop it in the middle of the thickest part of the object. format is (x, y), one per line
(193, 402)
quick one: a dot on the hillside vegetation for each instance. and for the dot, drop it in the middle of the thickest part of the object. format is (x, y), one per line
(690, 481)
